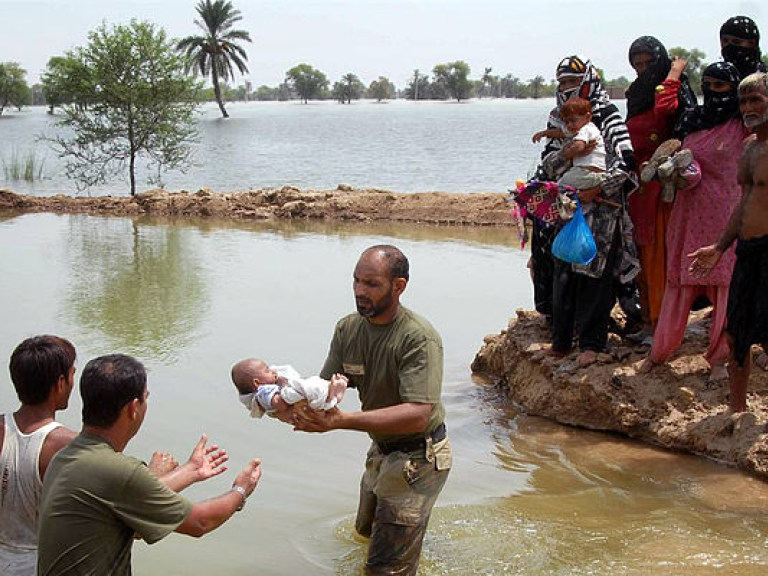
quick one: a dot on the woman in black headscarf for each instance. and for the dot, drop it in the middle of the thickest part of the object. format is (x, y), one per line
(655, 101)
(740, 45)
(714, 133)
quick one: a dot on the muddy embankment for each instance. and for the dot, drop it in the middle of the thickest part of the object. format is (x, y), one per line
(344, 203)
(674, 405)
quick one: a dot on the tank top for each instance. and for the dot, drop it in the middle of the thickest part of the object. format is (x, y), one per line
(20, 490)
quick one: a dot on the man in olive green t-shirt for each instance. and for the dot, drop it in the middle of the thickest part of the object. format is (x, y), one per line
(395, 360)
(96, 499)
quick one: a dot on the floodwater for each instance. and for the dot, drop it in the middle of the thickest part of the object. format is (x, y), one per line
(478, 146)
(525, 496)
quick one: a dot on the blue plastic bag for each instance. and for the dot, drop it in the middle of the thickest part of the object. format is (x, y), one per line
(575, 243)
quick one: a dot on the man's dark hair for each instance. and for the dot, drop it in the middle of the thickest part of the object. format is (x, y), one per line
(396, 260)
(109, 383)
(36, 365)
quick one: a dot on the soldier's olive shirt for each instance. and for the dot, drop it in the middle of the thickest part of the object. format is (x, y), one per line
(94, 501)
(390, 364)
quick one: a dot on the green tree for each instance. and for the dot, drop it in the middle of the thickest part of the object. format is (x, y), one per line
(265, 92)
(14, 90)
(348, 88)
(217, 50)
(141, 105)
(418, 86)
(535, 86)
(306, 81)
(695, 66)
(487, 83)
(66, 80)
(510, 87)
(454, 77)
(38, 97)
(622, 82)
(381, 89)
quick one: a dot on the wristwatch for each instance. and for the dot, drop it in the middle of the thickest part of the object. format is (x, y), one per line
(240, 490)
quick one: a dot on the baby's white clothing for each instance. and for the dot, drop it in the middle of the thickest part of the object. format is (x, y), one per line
(313, 389)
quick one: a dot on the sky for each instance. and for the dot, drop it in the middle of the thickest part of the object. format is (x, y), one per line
(392, 38)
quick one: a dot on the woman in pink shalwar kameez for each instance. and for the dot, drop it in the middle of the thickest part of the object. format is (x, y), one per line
(715, 135)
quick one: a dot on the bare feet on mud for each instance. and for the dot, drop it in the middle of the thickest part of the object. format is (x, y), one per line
(719, 373)
(645, 366)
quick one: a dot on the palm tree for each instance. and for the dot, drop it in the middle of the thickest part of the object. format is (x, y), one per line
(486, 80)
(216, 51)
(536, 85)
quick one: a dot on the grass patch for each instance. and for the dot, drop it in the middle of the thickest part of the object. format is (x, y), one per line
(26, 166)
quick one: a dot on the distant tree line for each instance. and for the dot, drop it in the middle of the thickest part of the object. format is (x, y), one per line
(131, 92)
(303, 82)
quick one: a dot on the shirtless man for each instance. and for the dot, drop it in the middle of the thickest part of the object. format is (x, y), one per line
(42, 370)
(747, 313)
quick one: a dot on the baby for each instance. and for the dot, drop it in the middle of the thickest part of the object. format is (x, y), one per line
(266, 389)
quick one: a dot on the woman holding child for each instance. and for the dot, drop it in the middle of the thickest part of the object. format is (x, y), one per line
(714, 133)
(655, 101)
(582, 296)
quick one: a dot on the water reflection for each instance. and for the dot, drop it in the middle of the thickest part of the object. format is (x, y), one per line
(526, 496)
(138, 288)
(480, 235)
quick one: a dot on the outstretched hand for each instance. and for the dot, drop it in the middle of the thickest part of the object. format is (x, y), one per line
(161, 463)
(249, 477)
(704, 259)
(206, 461)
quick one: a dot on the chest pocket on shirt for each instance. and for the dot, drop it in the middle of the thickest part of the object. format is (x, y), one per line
(355, 372)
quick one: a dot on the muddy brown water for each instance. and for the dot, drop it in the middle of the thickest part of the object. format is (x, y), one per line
(526, 496)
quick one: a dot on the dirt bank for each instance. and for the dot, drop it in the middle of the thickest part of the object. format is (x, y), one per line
(344, 203)
(673, 406)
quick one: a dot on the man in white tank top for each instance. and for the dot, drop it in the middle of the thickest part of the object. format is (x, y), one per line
(42, 370)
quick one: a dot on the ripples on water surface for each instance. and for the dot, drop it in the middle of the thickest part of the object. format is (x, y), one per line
(525, 496)
(402, 146)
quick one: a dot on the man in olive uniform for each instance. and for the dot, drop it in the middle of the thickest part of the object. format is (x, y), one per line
(96, 500)
(395, 360)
